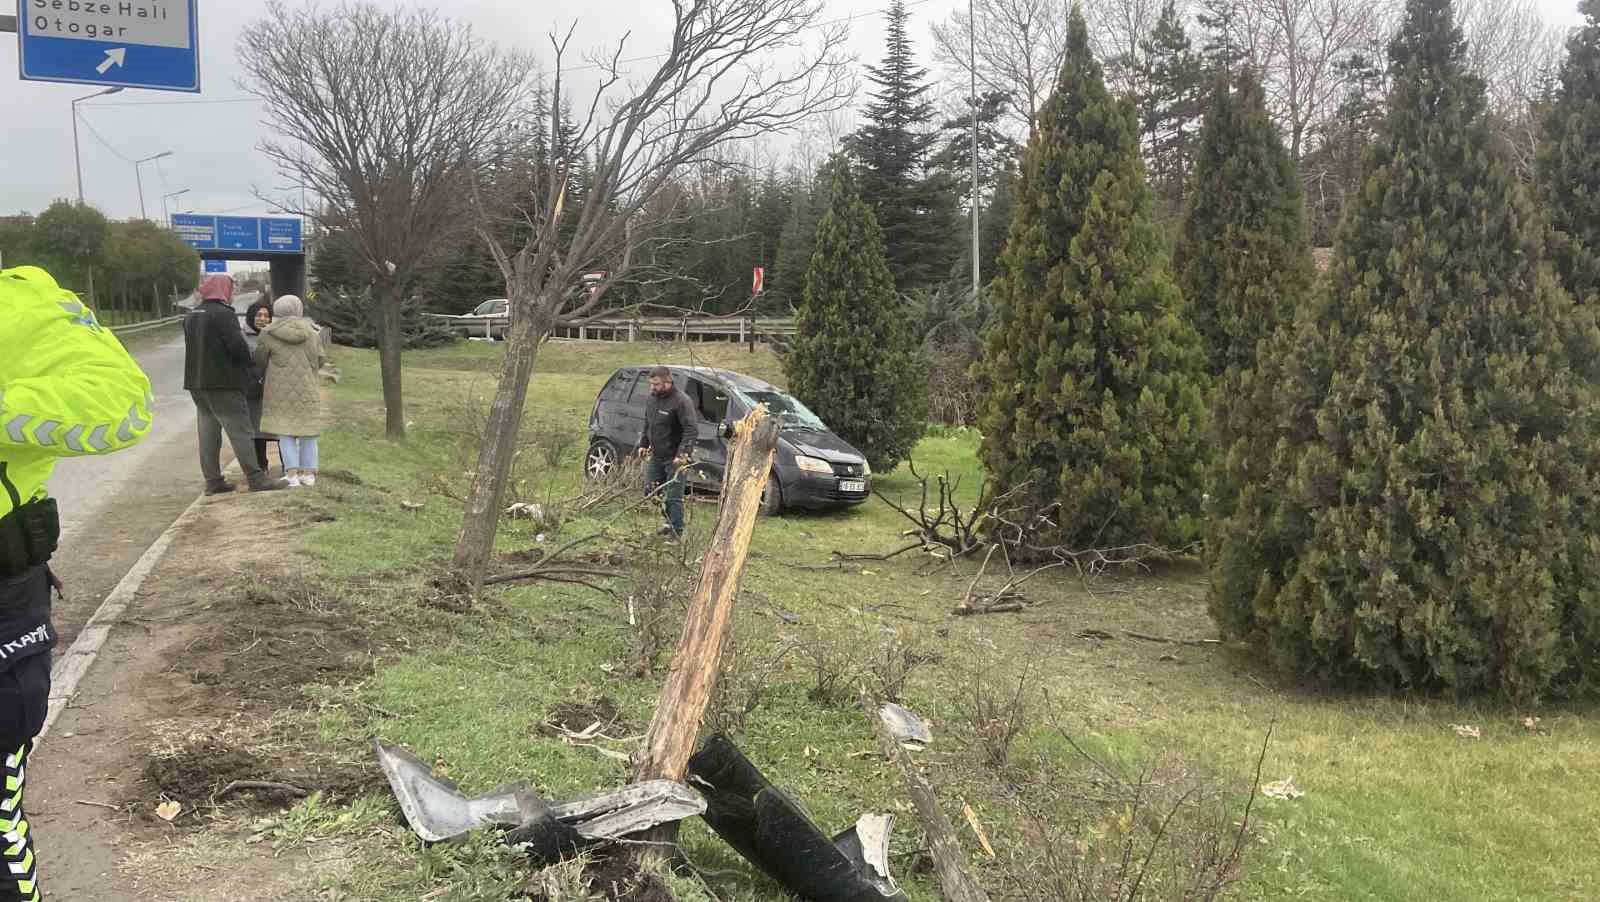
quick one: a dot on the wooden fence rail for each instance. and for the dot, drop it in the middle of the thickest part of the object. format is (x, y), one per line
(687, 328)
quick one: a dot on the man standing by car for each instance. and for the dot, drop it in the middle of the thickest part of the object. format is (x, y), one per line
(216, 370)
(670, 421)
(67, 389)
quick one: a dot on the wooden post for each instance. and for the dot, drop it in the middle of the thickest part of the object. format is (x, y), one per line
(674, 729)
(948, 860)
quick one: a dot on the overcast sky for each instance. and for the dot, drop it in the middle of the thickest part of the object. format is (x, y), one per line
(214, 138)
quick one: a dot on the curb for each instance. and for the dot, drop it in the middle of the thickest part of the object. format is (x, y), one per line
(70, 669)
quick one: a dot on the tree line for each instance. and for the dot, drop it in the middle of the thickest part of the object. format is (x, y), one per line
(1391, 469)
(134, 266)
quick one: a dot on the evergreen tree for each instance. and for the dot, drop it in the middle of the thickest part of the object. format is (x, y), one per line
(1337, 163)
(1243, 266)
(916, 209)
(854, 360)
(1568, 172)
(1436, 474)
(808, 200)
(1171, 75)
(1095, 389)
(1242, 260)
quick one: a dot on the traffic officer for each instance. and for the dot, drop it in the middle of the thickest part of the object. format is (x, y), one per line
(67, 388)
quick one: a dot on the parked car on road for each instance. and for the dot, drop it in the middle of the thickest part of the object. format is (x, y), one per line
(813, 467)
(490, 319)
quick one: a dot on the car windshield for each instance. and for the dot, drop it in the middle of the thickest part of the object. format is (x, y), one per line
(487, 307)
(787, 408)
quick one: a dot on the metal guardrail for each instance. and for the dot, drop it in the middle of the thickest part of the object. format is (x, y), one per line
(136, 328)
(621, 329)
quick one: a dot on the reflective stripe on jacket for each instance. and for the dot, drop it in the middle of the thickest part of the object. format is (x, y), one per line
(67, 386)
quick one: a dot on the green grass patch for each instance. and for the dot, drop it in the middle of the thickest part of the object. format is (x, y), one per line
(1397, 803)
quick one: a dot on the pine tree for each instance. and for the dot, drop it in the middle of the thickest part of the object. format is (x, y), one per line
(854, 360)
(1095, 386)
(1243, 266)
(917, 209)
(1242, 260)
(1436, 481)
(1171, 75)
(808, 201)
(1568, 171)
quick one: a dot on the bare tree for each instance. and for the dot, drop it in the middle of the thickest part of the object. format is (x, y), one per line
(383, 116)
(1018, 46)
(734, 70)
(1306, 39)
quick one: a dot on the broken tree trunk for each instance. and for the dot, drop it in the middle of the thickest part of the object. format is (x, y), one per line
(949, 861)
(670, 741)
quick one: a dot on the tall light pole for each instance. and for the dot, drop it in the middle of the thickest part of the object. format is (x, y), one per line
(76, 158)
(140, 179)
(972, 66)
(164, 199)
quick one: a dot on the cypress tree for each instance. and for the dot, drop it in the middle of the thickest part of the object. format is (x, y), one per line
(1243, 265)
(1094, 378)
(1568, 170)
(855, 361)
(1241, 260)
(1436, 478)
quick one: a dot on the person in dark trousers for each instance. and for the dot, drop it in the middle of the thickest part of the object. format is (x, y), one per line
(216, 371)
(671, 425)
(67, 389)
(257, 318)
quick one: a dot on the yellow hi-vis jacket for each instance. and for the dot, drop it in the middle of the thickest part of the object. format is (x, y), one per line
(67, 386)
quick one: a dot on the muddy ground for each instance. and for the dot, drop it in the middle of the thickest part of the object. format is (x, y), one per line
(195, 702)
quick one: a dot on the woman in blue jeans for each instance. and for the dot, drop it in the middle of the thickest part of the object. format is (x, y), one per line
(290, 352)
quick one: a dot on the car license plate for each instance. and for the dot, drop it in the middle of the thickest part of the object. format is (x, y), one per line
(852, 485)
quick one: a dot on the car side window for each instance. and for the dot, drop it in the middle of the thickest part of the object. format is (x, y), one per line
(641, 390)
(711, 401)
(617, 388)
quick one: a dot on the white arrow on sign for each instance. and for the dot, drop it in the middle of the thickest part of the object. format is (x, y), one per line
(114, 57)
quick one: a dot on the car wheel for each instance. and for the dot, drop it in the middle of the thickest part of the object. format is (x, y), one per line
(601, 462)
(772, 497)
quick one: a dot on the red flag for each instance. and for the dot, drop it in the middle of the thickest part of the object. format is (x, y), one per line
(758, 281)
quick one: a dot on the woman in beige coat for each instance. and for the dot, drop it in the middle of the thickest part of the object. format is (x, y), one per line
(290, 353)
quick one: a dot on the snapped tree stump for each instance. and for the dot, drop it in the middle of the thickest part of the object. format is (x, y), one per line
(674, 729)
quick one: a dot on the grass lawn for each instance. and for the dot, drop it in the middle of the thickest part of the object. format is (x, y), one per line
(1397, 803)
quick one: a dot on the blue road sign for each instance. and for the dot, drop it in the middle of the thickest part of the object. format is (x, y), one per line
(239, 233)
(215, 266)
(127, 43)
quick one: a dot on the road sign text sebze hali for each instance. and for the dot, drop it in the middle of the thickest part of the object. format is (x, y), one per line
(140, 13)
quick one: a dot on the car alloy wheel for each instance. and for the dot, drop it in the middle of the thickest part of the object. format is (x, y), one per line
(601, 461)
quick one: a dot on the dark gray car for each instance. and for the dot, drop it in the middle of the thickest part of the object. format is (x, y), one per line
(813, 467)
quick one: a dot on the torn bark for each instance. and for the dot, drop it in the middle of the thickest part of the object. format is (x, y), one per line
(948, 860)
(670, 741)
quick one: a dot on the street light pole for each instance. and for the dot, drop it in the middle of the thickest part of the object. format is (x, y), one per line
(77, 159)
(137, 177)
(164, 199)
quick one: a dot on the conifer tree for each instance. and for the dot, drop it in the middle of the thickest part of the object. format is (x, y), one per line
(1094, 378)
(1243, 265)
(854, 360)
(1241, 260)
(916, 208)
(1171, 76)
(1568, 170)
(1436, 475)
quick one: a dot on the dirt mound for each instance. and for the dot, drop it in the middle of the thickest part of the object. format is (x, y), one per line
(614, 876)
(281, 633)
(575, 717)
(206, 774)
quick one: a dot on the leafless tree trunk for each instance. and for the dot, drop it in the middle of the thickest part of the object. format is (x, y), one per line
(720, 83)
(384, 116)
(1304, 41)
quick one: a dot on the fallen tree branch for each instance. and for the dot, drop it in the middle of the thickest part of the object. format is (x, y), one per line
(948, 860)
(1149, 638)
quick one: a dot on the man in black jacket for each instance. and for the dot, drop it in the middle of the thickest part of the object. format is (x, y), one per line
(670, 423)
(216, 370)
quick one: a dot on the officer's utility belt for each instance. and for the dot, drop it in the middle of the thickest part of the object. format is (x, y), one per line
(28, 532)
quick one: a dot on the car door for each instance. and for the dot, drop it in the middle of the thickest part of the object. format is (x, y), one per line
(712, 402)
(626, 423)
